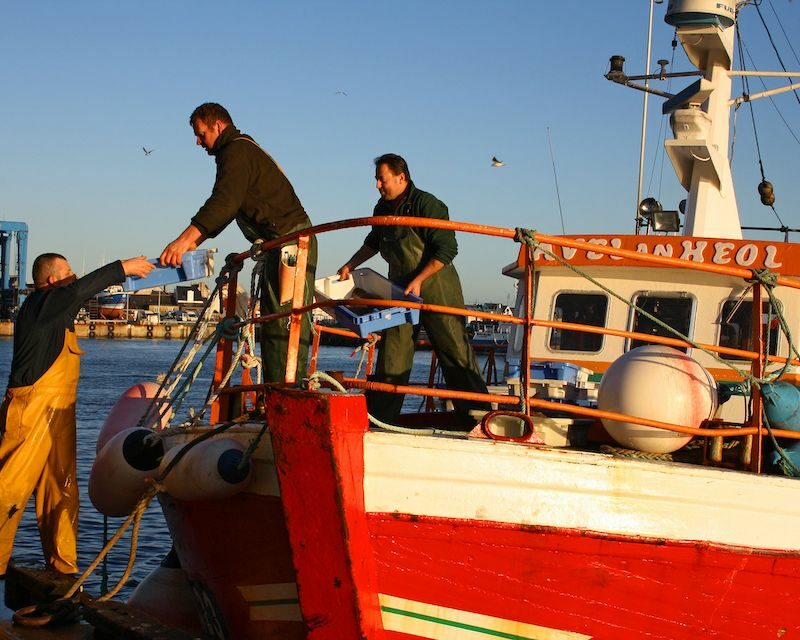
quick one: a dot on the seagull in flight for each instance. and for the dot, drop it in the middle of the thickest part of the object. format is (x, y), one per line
(147, 152)
(496, 162)
(341, 93)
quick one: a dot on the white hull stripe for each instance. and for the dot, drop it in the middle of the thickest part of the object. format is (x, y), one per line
(483, 480)
(273, 601)
(442, 623)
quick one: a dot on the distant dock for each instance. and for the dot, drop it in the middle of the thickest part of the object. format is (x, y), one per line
(116, 329)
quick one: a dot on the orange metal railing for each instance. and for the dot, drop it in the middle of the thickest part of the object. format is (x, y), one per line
(758, 358)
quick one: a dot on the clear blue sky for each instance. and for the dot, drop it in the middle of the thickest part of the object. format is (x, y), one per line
(446, 84)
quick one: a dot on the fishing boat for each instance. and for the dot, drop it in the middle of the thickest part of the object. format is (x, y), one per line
(489, 334)
(112, 302)
(662, 507)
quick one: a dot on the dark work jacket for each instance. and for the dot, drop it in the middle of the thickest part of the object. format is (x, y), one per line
(43, 317)
(408, 249)
(250, 188)
(439, 243)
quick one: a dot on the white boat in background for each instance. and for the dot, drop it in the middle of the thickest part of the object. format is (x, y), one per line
(112, 302)
(490, 334)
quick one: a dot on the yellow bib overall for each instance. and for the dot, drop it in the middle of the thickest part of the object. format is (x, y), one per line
(37, 453)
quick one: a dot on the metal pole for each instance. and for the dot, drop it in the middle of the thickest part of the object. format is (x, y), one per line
(644, 115)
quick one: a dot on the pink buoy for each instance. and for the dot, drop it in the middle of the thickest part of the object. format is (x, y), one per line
(129, 409)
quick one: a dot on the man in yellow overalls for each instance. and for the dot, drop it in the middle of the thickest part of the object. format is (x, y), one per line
(37, 417)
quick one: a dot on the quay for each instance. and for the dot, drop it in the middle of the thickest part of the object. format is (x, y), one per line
(111, 620)
(117, 329)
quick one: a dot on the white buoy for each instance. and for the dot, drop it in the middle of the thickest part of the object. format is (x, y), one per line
(658, 383)
(129, 409)
(208, 471)
(121, 470)
(166, 595)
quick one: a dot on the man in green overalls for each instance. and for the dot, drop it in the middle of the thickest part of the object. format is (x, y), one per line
(421, 261)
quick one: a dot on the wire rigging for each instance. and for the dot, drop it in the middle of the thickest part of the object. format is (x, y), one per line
(774, 47)
(780, 24)
(555, 178)
(764, 183)
(662, 132)
(771, 99)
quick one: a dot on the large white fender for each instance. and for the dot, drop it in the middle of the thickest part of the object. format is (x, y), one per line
(208, 471)
(167, 596)
(129, 409)
(658, 383)
(120, 471)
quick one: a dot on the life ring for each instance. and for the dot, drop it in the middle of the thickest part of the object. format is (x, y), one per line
(92, 326)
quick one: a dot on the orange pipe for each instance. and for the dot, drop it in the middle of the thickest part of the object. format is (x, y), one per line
(501, 232)
(357, 383)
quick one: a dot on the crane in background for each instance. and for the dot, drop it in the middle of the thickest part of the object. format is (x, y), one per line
(13, 266)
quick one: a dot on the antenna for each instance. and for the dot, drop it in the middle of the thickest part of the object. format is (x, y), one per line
(555, 178)
(644, 112)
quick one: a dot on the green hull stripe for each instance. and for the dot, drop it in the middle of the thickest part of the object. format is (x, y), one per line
(459, 625)
(265, 603)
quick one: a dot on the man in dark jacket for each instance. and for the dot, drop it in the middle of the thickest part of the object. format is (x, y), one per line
(37, 417)
(421, 261)
(252, 189)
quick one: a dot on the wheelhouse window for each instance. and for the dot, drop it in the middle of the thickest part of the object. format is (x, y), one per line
(674, 311)
(580, 308)
(736, 326)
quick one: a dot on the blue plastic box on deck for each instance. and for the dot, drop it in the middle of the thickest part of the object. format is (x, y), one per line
(565, 371)
(555, 371)
(365, 283)
(195, 265)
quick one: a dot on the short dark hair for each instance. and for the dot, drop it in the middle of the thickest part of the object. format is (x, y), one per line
(209, 113)
(42, 267)
(396, 164)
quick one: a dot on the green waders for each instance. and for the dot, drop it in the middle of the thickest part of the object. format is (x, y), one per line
(403, 249)
(275, 334)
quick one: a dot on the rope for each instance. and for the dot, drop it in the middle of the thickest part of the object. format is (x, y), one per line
(135, 517)
(620, 452)
(364, 348)
(317, 375)
(171, 379)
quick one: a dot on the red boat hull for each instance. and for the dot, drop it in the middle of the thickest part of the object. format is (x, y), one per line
(404, 575)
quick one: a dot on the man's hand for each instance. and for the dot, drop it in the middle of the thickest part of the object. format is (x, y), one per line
(344, 272)
(414, 287)
(187, 241)
(138, 266)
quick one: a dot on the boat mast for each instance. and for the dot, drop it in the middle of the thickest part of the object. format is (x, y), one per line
(637, 217)
(700, 117)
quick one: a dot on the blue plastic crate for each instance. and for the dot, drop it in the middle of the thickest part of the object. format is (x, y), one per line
(195, 265)
(555, 371)
(364, 322)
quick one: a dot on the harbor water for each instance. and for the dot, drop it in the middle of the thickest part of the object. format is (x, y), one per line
(108, 368)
